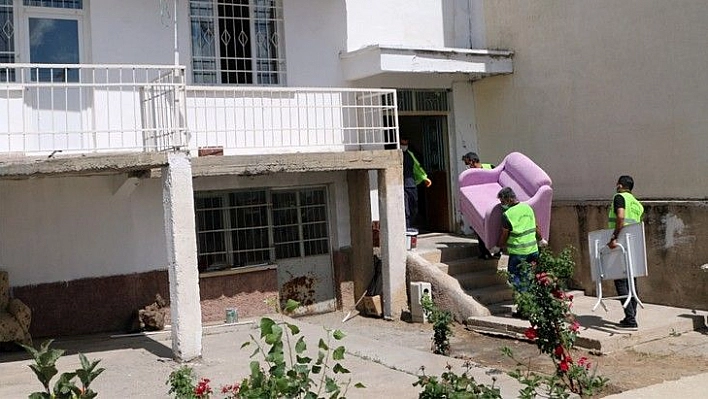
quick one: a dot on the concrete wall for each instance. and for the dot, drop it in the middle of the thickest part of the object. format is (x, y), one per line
(677, 249)
(395, 22)
(61, 229)
(599, 89)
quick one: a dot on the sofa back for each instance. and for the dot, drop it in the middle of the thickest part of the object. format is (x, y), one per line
(522, 175)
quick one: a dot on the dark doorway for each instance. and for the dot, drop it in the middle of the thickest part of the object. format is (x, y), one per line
(427, 136)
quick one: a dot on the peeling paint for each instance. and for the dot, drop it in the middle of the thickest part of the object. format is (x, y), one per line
(674, 231)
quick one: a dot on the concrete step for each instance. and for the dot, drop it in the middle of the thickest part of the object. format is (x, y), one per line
(467, 265)
(448, 252)
(480, 279)
(492, 294)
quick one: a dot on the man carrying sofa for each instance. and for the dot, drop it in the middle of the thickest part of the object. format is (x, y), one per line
(520, 235)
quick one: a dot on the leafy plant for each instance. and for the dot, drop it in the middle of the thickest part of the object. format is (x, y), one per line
(553, 328)
(451, 385)
(45, 369)
(286, 373)
(181, 382)
(291, 375)
(441, 320)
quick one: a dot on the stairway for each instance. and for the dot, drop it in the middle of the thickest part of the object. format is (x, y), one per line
(479, 278)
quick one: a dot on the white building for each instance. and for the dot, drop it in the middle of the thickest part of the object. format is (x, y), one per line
(223, 150)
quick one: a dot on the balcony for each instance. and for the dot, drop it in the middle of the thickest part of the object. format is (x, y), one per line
(47, 109)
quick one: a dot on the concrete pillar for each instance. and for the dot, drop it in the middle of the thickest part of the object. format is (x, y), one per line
(178, 202)
(393, 240)
(361, 234)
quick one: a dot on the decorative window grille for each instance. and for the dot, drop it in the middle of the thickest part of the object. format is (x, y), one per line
(244, 228)
(237, 42)
(423, 101)
(7, 40)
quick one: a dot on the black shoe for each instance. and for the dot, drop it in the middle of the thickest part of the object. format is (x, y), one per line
(628, 325)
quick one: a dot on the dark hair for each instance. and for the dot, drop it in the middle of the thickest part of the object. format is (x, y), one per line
(506, 193)
(471, 156)
(626, 182)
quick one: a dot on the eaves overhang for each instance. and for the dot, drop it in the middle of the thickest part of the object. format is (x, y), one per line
(384, 59)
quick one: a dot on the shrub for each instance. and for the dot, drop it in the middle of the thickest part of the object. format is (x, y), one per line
(286, 374)
(553, 328)
(441, 320)
(45, 369)
(451, 385)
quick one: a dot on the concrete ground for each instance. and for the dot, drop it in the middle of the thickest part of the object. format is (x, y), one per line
(386, 356)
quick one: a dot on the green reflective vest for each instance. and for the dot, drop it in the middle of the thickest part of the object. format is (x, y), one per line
(522, 237)
(633, 210)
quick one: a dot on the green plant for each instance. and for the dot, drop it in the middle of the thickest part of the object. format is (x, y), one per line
(451, 385)
(441, 320)
(291, 374)
(45, 369)
(181, 382)
(554, 328)
(286, 374)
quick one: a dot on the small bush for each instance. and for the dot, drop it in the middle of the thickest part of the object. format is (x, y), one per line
(441, 320)
(45, 369)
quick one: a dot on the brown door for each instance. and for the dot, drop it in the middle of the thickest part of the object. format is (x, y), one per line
(437, 204)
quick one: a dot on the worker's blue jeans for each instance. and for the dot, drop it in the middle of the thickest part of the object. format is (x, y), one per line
(515, 274)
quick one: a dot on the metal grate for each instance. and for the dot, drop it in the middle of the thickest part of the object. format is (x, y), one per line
(237, 42)
(68, 4)
(423, 101)
(235, 229)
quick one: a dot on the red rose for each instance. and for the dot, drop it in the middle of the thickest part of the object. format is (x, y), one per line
(530, 333)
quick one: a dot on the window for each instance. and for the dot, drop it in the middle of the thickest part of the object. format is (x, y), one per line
(237, 42)
(48, 31)
(242, 228)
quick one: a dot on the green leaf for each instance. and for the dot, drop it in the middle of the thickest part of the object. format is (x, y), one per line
(291, 305)
(294, 330)
(266, 326)
(337, 334)
(338, 353)
(303, 359)
(339, 369)
(300, 345)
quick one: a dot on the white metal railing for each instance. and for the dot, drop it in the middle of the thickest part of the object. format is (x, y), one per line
(252, 120)
(46, 108)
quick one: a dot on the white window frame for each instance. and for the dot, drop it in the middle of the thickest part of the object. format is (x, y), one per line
(22, 36)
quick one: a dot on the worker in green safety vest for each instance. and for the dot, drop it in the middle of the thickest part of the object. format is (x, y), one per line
(471, 159)
(625, 210)
(521, 235)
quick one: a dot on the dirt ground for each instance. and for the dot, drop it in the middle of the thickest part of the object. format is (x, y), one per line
(668, 359)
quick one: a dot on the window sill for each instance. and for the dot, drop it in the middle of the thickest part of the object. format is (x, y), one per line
(237, 270)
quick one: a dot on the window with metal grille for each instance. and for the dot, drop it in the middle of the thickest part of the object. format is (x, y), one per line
(244, 228)
(422, 100)
(237, 42)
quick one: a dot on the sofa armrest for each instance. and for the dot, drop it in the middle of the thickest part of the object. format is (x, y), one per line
(471, 177)
(541, 203)
(21, 312)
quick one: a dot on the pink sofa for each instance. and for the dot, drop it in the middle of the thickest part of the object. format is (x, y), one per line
(478, 195)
